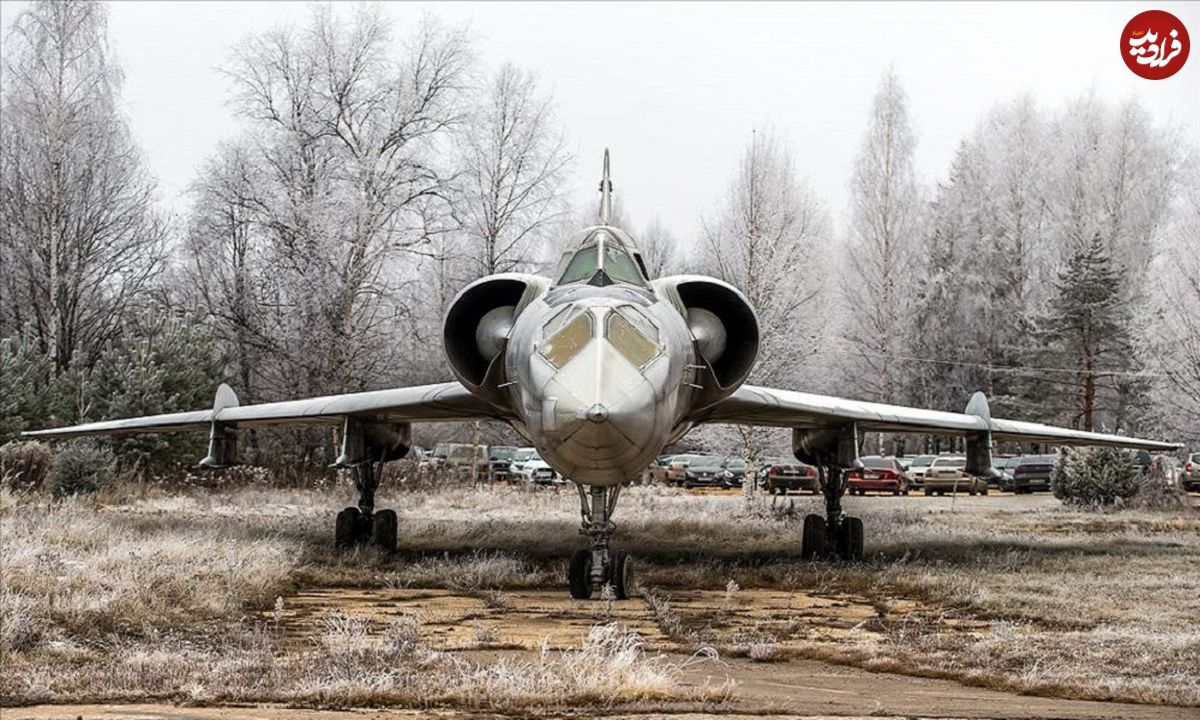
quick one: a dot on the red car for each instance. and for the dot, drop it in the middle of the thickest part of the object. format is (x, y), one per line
(778, 475)
(882, 474)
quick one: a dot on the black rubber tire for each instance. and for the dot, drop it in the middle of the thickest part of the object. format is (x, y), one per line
(896, 491)
(928, 492)
(345, 529)
(984, 491)
(904, 491)
(383, 531)
(621, 575)
(579, 574)
(813, 543)
(971, 491)
(850, 539)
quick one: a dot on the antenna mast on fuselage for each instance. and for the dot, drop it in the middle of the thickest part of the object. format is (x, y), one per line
(605, 194)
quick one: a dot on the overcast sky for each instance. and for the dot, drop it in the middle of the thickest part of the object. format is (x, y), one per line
(675, 89)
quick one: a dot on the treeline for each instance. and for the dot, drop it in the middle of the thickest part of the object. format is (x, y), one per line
(1035, 272)
(378, 169)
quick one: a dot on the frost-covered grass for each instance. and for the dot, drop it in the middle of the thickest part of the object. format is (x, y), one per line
(148, 594)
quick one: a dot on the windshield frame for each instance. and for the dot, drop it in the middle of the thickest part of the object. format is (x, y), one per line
(600, 245)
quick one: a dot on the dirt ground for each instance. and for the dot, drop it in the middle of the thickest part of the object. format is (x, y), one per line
(778, 641)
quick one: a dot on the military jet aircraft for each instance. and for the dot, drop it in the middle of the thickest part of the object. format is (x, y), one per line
(600, 367)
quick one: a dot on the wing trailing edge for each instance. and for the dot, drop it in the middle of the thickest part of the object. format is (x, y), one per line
(753, 405)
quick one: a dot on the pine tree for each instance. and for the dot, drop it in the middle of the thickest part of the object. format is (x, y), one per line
(1084, 342)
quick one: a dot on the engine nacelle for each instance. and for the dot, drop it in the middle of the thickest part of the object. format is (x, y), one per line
(478, 322)
(724, 327)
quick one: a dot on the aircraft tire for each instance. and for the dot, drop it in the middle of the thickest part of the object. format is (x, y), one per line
(579, 574)
(813, 542)
(850, 539)
(345, 530)
(383, 531)
(621, 575)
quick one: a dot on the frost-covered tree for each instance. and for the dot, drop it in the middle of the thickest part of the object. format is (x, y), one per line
(226, 266)
(951, 299)
(660, 250)
(1084, 341)
(80, 241)
(767, 235)
(1177, 286)
(768, 238)
(886, 210)
(514, 157)
(346, 145)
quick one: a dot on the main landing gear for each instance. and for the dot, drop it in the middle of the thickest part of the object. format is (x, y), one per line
(362, 525)
(837, 535)
(598, 565)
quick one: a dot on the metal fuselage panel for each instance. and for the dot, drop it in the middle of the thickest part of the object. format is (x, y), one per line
(598, 418)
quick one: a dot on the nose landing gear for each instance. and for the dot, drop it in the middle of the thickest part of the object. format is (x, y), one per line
(598, 565)
(362, 525)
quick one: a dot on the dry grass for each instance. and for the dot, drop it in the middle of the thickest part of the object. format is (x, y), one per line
(156, 599)
(152, 595)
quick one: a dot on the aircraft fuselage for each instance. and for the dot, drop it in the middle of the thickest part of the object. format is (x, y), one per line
(599, 378)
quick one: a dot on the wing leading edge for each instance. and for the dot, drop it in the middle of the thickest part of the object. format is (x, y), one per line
(440, 402)
(753, 405)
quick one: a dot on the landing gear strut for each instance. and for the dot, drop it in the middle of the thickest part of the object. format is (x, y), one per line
(837, 535)
(598, 565)
(363, 525)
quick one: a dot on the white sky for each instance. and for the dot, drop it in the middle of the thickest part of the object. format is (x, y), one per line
(675, 89)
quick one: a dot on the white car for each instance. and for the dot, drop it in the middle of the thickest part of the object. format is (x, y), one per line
(918, 466)
(529, 467)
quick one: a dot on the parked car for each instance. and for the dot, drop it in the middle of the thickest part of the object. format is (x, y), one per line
(704, 471)
(1030, 473)
(656, 472)
(1003, 467)
(676, 472)
(1143, 461)
(917, 467)
(947, 474)
(464, 460)
(1191, 473)
(735, 471)
(779, 475)
(500, 459)
(882, 474)
(535, 470)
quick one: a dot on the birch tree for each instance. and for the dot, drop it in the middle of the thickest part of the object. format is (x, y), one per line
(512, 182)
(884, 230)
(79, 238)
(660, 250)
(350, 140)
(767, 238)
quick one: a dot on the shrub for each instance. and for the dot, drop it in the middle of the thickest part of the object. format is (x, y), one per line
(1095, 477)
(80, 469)
(1159, 491)
(24, 465)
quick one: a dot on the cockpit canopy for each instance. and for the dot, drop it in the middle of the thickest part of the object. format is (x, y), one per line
(604, 257)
